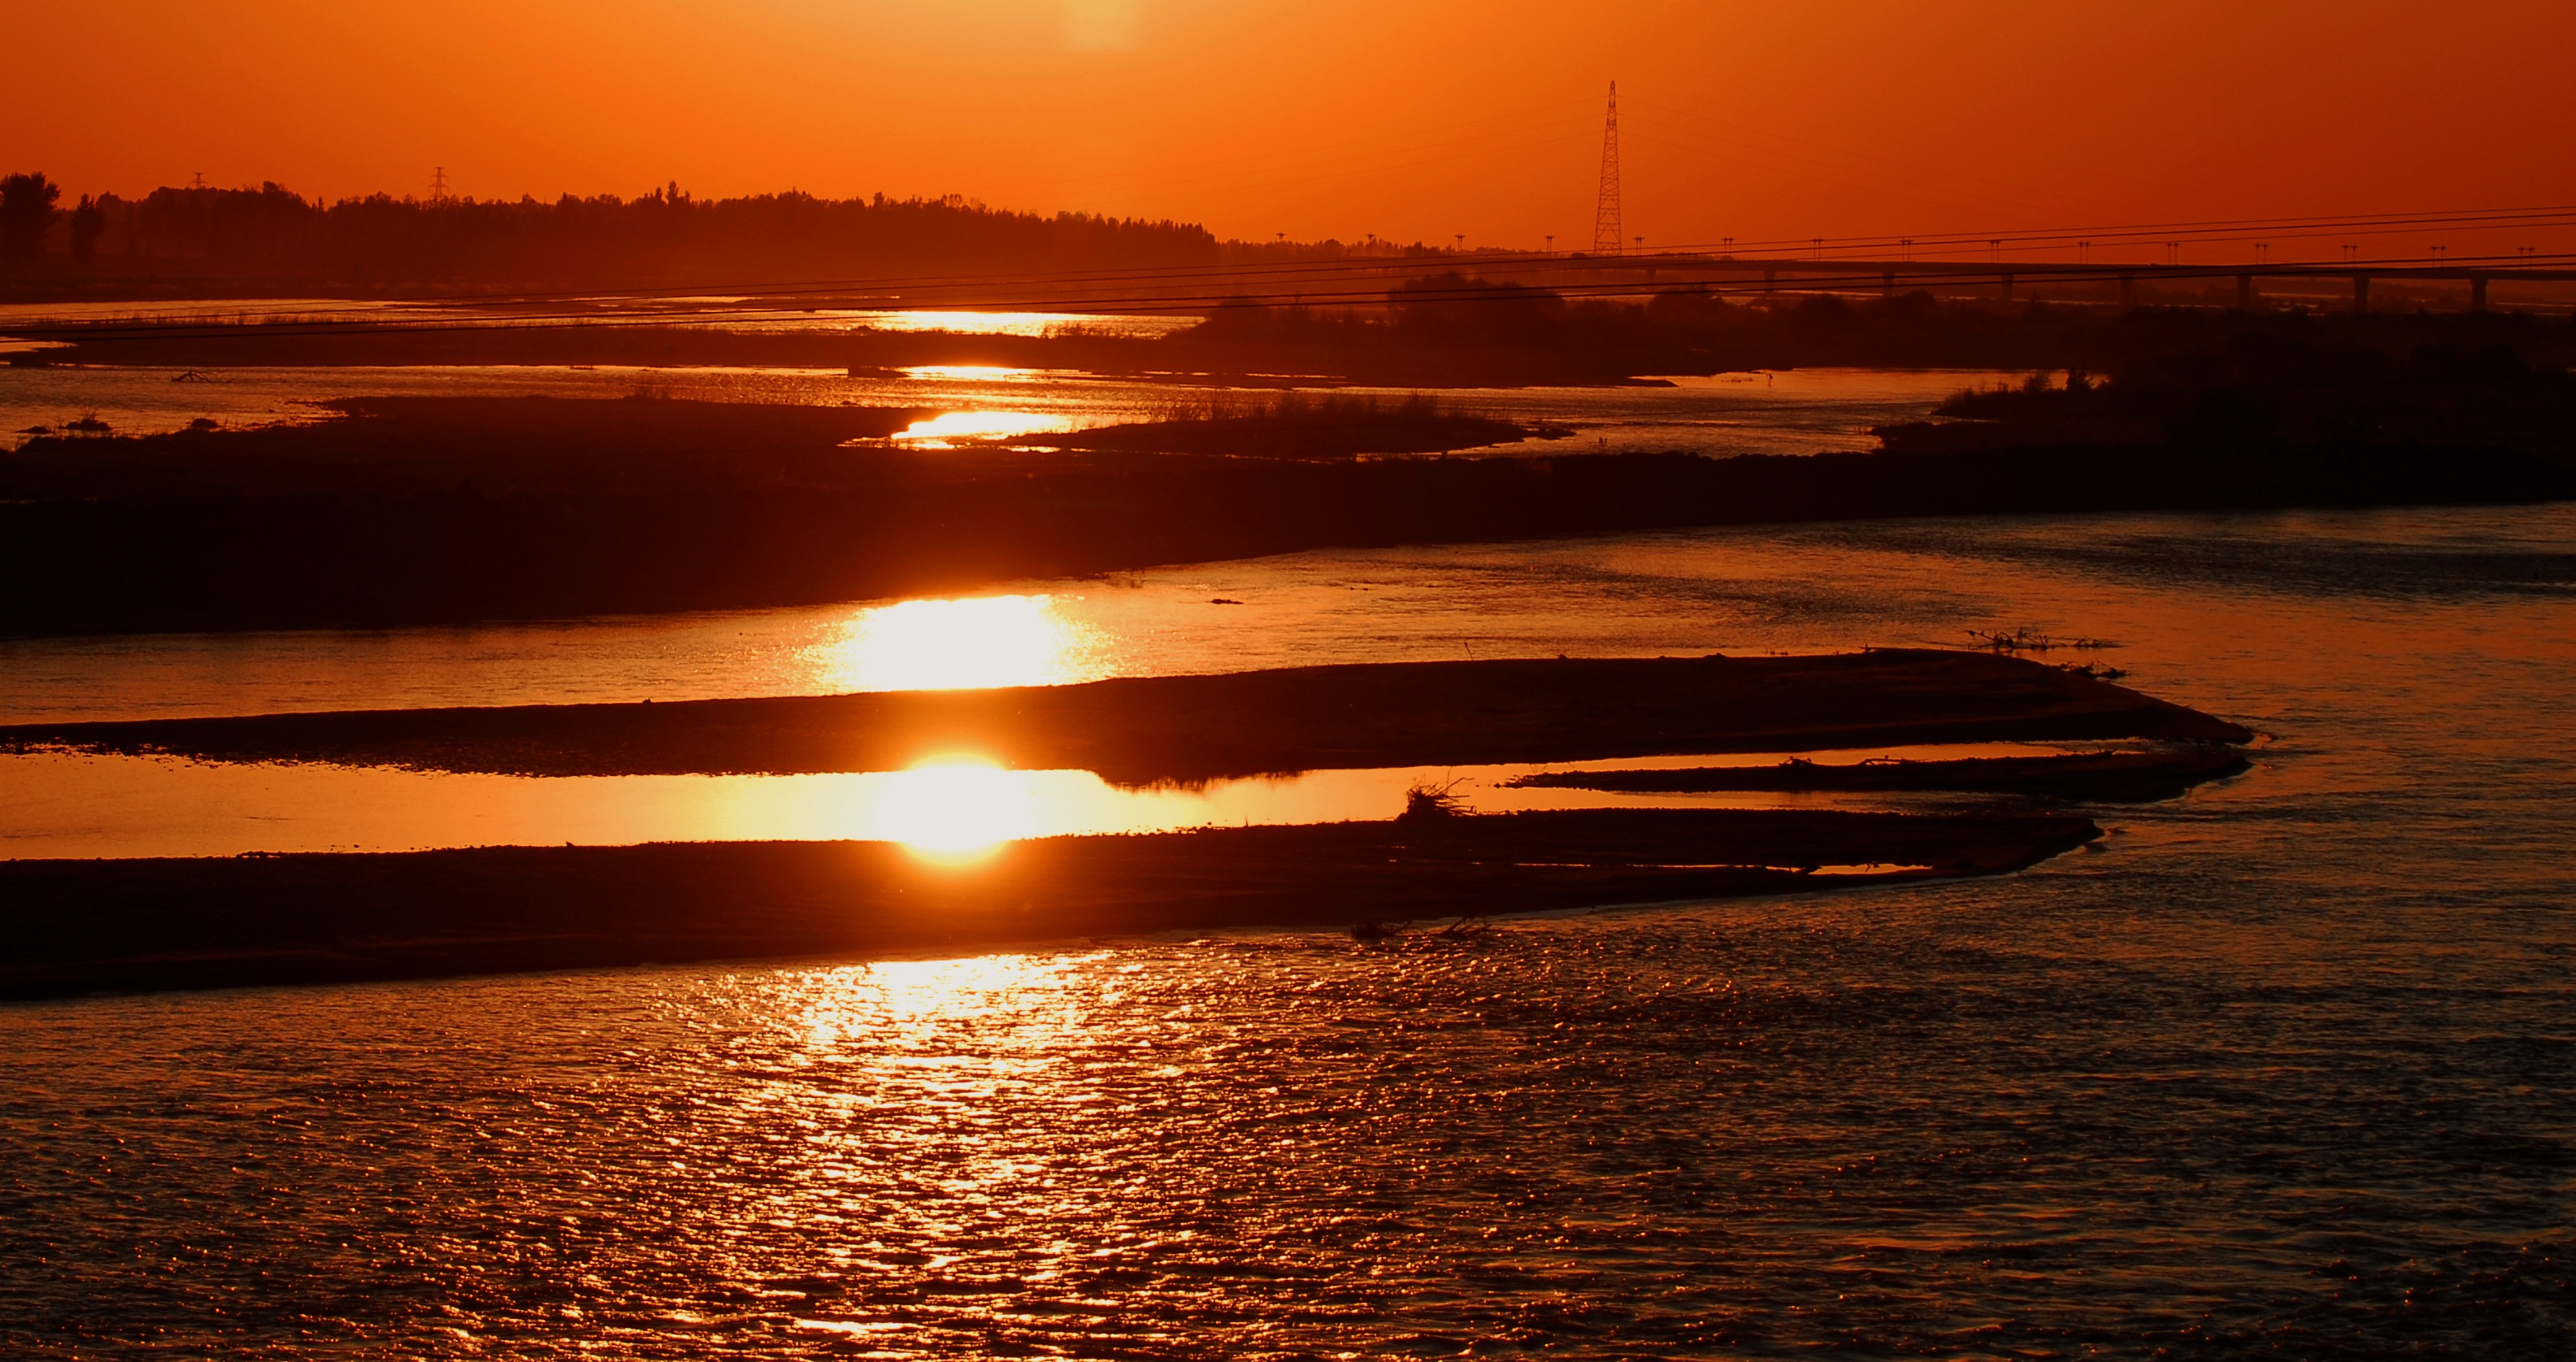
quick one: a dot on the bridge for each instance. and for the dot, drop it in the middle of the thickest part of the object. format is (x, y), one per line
(2004, 278)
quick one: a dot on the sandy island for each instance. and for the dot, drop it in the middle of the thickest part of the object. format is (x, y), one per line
(1143, 730)
(85, 926)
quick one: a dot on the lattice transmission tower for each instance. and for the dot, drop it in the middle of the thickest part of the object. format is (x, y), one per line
(1606, 235)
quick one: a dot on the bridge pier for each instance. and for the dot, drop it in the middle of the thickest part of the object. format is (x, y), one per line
(2361, 293)
(2477, 293)
(2007, 287)
(1770, 281)
(1887, 284)
(2128, 292)
(2245, 293)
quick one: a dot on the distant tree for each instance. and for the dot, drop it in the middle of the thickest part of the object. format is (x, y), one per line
(88, 221)
(1465, 307)
(26, 210)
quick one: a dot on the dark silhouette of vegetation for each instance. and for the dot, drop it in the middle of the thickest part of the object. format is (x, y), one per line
(1424, 801)
(88, 222)
(1453, 308)
(2273, 390)
(1298, 425)
(26, 214)
(274, 236)
(428, 511)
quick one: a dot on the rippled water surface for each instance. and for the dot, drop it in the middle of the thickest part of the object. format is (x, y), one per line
(2282, 1067)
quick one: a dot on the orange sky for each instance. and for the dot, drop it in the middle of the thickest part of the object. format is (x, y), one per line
(1789, 119)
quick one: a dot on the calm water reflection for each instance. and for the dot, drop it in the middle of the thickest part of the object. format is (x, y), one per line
(54, 805)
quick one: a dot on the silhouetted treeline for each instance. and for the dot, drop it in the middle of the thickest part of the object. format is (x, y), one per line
(96, 544)
(270, 235)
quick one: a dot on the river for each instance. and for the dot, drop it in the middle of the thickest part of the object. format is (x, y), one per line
(2282, 1066)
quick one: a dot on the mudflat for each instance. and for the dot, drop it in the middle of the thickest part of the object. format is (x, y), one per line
(1143, 730)
(90, 926)
(2116, 776)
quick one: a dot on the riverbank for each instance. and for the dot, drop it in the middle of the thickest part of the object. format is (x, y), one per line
(428, 513)
(2110, 776)
(1442, 330)
(92, 926)
(1141, 730)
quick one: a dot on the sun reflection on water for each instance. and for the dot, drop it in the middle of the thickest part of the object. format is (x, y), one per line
(932, 1064)
(936, 432)
(956, 809)
(974, 323)
(960, 644)
(971, 373)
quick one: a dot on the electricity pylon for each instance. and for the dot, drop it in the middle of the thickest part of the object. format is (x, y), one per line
(1605, 214)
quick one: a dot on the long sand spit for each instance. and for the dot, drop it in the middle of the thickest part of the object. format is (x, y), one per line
(86, 926)
(1143, 730)
(90, 926)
